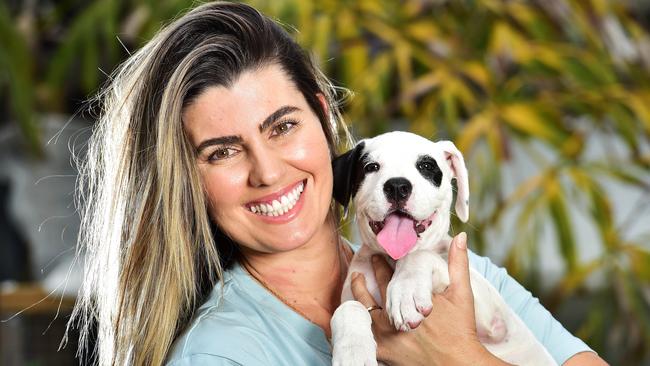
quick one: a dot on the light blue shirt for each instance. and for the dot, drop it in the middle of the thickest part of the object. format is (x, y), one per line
(242, 323)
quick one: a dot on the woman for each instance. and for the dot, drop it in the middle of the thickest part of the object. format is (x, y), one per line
(208, 183)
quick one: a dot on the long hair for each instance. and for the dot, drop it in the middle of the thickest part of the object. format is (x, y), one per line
(147, 238)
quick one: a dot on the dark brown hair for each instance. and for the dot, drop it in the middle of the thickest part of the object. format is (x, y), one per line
(149, 243)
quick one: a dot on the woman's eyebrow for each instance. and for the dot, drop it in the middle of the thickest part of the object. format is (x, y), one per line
(234, 139)
(218, 141)
(277, 115)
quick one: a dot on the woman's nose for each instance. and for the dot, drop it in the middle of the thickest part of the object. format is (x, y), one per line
(267, 167)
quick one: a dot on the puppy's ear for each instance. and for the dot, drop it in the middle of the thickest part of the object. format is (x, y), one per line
(347, 170)
(457, 164)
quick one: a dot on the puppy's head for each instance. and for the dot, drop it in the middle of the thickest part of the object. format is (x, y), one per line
(401, 187)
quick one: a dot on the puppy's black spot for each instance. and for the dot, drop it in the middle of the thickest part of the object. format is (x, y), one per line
(428, 167)
(348, 170)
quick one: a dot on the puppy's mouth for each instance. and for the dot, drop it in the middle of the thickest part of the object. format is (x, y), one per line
(399, 231)
(418, 226)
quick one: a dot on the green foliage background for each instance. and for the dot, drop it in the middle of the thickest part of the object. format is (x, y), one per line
(495, 76)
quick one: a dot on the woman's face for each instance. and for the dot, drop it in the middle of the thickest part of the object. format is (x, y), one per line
(264, 161)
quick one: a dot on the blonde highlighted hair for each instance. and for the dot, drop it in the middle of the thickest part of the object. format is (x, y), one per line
(149, 245)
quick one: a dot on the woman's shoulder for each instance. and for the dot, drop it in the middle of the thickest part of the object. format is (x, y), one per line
(225, 328)
(243, 323)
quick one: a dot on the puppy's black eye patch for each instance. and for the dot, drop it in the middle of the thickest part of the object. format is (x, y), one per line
(428, 167)
(371, 167)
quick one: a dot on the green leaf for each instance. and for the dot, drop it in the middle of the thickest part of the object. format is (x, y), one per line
(528, 119)
(563, 226)
(17, 69)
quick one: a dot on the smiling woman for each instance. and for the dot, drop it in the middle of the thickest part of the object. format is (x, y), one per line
(218, 131)
(255, 148)
(207, 212)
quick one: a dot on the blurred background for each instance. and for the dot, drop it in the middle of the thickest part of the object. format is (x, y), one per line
(549, 100)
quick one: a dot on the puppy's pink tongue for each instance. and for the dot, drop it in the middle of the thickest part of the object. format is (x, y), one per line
(398, 235)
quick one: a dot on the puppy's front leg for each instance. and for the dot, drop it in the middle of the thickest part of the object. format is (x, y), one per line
(352, 341)
(408, 297)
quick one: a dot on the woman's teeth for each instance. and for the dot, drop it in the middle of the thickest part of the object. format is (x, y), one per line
(279, 206)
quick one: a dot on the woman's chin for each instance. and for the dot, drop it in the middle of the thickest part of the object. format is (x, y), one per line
(287, 241)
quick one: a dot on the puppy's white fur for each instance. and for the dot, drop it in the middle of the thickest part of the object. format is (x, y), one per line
(423, 269)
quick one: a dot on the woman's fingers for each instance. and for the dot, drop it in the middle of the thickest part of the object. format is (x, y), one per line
(459, 269)
(383, 274)
(360, 291)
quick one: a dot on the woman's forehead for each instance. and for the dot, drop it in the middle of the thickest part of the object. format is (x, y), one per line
(251, 98)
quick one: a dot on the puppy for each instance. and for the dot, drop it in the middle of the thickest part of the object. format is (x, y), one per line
(400, 184)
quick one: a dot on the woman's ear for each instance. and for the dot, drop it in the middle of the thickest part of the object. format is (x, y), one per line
(329, 123)
(323, 103)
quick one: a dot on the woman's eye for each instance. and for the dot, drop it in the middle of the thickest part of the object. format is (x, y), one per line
(222, 153)
(283, 127)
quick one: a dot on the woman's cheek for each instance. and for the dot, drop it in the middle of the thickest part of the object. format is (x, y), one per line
(312, 147)
(223, 186)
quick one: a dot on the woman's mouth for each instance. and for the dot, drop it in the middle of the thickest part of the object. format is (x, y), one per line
(279, 205)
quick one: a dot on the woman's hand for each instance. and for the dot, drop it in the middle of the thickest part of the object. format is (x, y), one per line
(447, 336)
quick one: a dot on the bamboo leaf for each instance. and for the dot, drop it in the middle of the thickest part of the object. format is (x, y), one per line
(476, 127)
(525, 118)
(450, 108)
(16, 67)
(507, 41)
(404, 71)
(640, 104)
(600, 209)
(622, 172)
(526, 188)
(424, 123)
(68, 53)
(562, 222)
(576, 278)
(306, 22)
(321, 39)
(422, 85)
(424, 30)
(90, 63)
(639, 258)
(640, 306)
(478, 73)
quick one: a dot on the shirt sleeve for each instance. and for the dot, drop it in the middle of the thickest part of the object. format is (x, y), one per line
(561, 344)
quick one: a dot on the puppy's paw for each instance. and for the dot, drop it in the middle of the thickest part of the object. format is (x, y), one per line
(493, 332)
(408, 300)
(355, 352)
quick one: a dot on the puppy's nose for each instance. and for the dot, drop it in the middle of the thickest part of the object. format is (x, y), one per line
(397, 190)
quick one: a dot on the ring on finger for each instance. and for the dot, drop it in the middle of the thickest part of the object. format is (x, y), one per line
(374, 307)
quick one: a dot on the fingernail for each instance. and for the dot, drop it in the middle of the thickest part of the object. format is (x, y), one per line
(461, 240)
(355, 275)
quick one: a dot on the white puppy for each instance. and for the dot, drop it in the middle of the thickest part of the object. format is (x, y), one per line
(400, 184)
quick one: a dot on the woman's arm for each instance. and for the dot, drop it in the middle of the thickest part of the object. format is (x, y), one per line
(585, 359)
(559, 342)
(445, 338)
